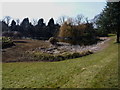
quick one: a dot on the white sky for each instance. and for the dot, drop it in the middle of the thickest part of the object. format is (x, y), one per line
(47, 10)
(53, 0)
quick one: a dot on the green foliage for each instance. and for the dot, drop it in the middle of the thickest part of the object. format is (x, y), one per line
(108, 21)
(7, 42)
(102, 23)
(101, 32)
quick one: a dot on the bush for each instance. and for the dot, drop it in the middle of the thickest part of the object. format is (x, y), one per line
(82, 34)
(76, 55)
(101, 33)
(7, 42)
(53, 41)
(38, 56)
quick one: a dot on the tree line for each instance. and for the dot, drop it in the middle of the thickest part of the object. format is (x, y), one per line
(78, 30)
(27, 30)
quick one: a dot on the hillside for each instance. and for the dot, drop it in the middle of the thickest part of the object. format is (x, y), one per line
(99, 70)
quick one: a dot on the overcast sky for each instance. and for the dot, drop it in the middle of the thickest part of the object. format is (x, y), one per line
(49, 10)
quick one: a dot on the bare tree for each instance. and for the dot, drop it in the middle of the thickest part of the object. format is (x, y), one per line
(34, 22)
(18, 21)
(7, 19)
(79, 19)
(71, 21)
(86, 20)
(62, 19)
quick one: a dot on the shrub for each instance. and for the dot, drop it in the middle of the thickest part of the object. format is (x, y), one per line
(38, 56)
(58, 58)
(53, 41)
(101, 32)
(82, 34)
(76, 55)
(7, 42)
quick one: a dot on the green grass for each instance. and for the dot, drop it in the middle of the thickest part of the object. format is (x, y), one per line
(99, 70)
(0, 39)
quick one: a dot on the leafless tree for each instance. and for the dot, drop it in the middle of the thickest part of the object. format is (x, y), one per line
(34, 22)
(79, 19)
(62, 19)
(70, 21)
(86, 20)
(18, 21)
(7, 19)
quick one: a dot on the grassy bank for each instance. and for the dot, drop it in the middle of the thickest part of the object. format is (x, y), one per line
(99, 70)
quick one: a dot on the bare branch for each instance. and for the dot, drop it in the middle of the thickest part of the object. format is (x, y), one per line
(79, 19)
(62, 19)
(7, 19)
(18, 21)
(34, 22)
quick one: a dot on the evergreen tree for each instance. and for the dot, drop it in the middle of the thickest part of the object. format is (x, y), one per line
(109, 19)
(25, 25)
(51, 22)
(41, 22)
(113, 9)
(13, 25)
(4, 26)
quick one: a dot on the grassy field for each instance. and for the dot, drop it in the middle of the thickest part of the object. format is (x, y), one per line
(99, 70)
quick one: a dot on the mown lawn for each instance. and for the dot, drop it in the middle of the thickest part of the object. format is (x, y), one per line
(99, 70)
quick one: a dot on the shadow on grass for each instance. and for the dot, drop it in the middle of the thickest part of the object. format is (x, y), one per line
(117, 43)
(20, 42)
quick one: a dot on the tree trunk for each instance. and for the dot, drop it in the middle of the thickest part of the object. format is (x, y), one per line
(118, 36)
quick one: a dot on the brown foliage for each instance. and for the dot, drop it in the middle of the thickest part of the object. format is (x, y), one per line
(77, 34)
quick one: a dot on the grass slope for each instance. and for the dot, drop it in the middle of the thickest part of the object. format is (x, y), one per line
(99, 70)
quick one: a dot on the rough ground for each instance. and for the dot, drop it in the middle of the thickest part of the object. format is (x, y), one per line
(65, 47)
(15, 52)
(21, 46)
